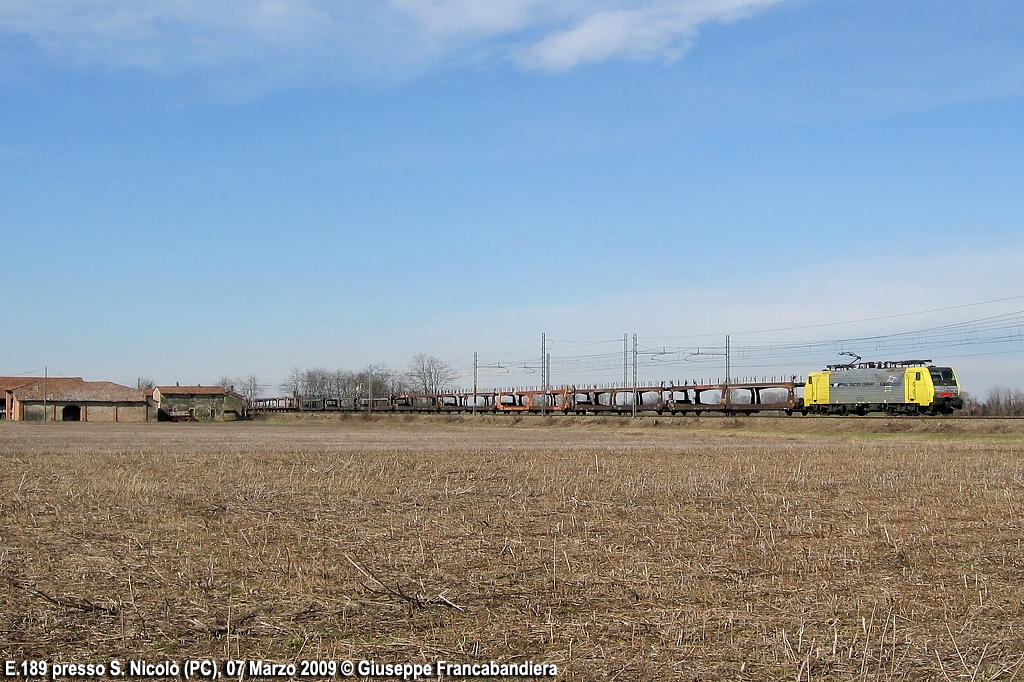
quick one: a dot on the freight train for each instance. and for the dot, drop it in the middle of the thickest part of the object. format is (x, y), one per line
(910, 387)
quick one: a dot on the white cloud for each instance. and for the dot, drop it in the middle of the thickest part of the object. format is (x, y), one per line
(168, 36)
(304, 37)
(658, 30)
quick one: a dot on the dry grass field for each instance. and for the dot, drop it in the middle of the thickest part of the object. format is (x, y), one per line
(741, 549)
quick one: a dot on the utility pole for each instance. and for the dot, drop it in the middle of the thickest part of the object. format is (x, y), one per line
(625, 360)
(369, 389)
(543, 369)
(727, 367)
(46, 376)
(474, 381)
(547, 375)
(634, 376)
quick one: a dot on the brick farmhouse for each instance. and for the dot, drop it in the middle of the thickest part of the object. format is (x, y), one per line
(198, 403)
(71, 399)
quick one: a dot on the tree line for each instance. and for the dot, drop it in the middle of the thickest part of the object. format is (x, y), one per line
(998, 402)
(425, 374)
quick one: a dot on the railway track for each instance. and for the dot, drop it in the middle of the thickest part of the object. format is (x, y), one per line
(854, 417)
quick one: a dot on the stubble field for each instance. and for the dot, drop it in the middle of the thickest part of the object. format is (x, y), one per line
(735, 550)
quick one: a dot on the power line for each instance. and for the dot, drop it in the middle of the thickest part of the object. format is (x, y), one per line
(835, 324)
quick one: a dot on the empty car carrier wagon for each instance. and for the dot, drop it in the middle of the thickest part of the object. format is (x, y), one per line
(903, 387)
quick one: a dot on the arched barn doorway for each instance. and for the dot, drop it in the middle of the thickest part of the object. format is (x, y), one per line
(71, 413)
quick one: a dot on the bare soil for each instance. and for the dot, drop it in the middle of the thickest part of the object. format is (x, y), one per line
(691, 549)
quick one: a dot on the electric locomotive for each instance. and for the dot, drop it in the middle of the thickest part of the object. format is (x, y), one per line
(902, 387)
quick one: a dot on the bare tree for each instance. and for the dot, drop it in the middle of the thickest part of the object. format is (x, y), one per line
(999, 402)
(343, 383)
(1004, 402)
(294, 384)
(383, 381)
(317, 383)
(429, 374)
(250, 387)
(397, 382)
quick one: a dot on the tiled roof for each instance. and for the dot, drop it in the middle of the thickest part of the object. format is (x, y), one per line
(191, 390)
(11, 383)
(76, 390)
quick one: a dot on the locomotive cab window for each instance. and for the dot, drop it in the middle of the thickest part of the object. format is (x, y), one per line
(943, 375)
(917, 376)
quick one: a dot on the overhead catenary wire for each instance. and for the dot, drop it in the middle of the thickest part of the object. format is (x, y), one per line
(607, 361)
(845, 322)
(1004, 328)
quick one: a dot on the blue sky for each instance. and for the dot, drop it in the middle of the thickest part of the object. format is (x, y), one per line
(196, 189)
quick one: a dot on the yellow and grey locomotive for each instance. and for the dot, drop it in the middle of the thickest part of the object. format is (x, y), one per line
(903, 387)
